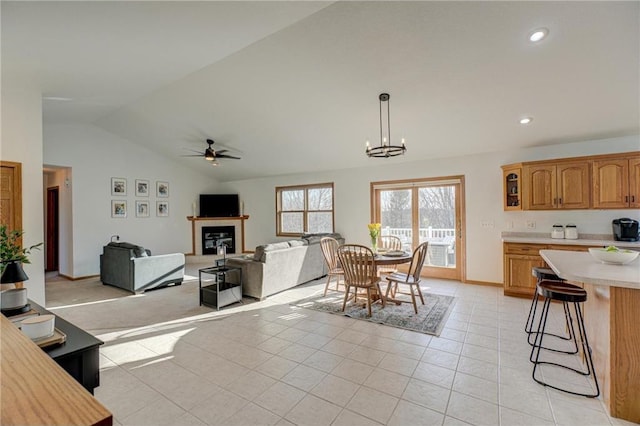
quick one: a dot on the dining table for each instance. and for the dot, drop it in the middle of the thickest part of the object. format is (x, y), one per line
(383, 258)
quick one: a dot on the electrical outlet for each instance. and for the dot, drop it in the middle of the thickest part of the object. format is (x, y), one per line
(508, 224)
(531, 224)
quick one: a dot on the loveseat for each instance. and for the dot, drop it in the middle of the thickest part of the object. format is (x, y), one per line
(280, 266)
(133, 268)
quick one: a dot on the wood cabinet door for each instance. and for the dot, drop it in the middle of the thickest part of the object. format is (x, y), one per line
(511, 187)
(518, 280)
(573, 185)
(611, 184)
(634, 182)
(539, 189)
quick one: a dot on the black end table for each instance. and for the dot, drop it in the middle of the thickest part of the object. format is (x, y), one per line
(223, 291)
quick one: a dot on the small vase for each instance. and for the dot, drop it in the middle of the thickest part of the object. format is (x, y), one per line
(374, 245)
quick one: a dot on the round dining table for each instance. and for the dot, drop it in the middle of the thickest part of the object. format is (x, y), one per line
(385, 260)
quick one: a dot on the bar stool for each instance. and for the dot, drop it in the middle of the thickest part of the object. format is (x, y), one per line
(552, 290)
(545, 274)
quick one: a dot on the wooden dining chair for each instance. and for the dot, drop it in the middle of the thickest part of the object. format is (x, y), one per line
(389, 243)
(411, 279)
(360, 272)
(329, 248)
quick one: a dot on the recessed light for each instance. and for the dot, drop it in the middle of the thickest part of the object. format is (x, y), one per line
(526, 120)
(538, 34)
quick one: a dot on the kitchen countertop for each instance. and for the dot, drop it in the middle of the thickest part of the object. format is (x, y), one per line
(582, 267)
(592, 240)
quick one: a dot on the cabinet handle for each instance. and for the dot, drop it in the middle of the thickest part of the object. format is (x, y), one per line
(560, 201)
(626, 198)
(554, 201)
(633, 198)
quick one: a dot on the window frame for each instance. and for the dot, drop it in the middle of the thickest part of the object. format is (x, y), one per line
(305, 211)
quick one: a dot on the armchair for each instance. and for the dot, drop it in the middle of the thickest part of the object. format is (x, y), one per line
(132, 268)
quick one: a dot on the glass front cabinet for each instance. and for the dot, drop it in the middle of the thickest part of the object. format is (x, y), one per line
(512, 187)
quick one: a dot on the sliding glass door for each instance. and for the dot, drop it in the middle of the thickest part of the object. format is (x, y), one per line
(419, 211)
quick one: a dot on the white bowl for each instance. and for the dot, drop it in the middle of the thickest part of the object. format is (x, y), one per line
(614, 257)
(38, 327)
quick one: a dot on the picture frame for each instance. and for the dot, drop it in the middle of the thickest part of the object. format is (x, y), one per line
(118, 186)
(142, 208)
(119, 208)
(162, 189)
(162, 208)
(142, 188)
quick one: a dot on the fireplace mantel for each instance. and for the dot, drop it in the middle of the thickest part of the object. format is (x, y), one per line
(198, 222)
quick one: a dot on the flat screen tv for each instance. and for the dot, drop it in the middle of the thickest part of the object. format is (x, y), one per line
(219, 205)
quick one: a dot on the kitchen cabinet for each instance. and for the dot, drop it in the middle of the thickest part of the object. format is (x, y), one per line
(556, 185)
(519, 259)
(616, 183)
(512, 187)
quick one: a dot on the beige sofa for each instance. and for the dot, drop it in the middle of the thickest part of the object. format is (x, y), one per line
(281, 266)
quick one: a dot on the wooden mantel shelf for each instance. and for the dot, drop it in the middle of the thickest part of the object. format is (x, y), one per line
(196, 219)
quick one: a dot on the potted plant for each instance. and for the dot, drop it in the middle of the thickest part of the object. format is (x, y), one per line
(11, 248)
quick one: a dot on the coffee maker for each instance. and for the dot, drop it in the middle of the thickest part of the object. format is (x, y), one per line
(625, 229)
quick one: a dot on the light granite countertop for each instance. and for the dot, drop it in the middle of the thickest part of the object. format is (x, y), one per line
(591, 240)
(582, 267)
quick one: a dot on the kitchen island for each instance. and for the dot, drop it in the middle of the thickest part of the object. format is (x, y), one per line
(611, 316)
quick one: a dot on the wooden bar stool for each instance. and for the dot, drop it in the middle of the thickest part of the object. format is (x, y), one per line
(553, 290)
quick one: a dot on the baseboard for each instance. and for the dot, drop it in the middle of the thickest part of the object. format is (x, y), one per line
(488, 283)
(77, 278)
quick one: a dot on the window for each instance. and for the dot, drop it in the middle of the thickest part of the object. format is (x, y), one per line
(304, 209)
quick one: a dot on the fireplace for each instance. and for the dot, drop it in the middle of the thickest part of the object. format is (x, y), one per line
(215, 237)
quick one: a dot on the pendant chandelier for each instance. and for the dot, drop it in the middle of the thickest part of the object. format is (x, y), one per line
(385, 149)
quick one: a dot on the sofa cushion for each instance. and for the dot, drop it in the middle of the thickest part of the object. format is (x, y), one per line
(276, 246)
(297, 243)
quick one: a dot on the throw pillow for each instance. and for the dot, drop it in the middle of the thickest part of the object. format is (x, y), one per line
(259, 254)
(139, 251)
(297, 243)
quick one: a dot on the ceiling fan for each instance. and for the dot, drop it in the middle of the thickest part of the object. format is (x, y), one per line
(211, 154)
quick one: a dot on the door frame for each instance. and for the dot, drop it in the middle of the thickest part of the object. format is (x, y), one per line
(458, 273)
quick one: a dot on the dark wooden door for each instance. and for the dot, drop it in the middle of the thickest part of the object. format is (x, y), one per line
(53, 231)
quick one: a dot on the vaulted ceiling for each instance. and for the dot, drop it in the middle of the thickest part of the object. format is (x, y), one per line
(293, 86)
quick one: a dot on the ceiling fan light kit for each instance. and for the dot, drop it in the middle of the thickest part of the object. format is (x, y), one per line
(385, 149)
(212, 155)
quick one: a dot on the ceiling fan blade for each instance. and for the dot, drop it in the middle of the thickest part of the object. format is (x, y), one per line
(192, 155)
(221, 151)
(194, 150)
(227, 156)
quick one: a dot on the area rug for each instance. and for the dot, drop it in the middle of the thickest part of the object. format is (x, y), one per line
(430, 319)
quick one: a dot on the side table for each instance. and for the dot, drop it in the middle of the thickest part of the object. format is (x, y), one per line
(222, 292)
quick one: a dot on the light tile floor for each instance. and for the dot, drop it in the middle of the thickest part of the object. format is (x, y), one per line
(168, 361)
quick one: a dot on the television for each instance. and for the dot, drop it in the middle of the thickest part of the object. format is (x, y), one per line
(219, 205)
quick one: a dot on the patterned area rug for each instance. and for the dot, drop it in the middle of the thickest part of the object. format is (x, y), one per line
(430, 319)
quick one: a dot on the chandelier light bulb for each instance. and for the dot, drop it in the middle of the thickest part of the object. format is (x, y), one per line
(526, 120)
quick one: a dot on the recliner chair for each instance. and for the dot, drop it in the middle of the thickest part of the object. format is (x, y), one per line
(133, 268)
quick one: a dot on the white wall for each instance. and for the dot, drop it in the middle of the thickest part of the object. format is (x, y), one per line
(95, 156)
(22, 142)
(483, 187)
